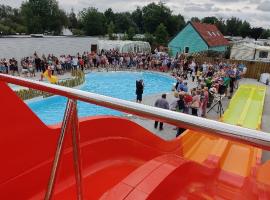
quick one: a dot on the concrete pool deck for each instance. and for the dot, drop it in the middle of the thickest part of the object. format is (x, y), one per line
(169, 133)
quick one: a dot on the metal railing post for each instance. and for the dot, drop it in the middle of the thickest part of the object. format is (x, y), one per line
(77, 152)
(55, 168)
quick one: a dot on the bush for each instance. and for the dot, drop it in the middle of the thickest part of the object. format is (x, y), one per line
(21, 29)
(27, 94)
(78, 32)
(6, 30)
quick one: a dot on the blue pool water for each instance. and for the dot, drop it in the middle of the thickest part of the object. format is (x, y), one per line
(115, 84)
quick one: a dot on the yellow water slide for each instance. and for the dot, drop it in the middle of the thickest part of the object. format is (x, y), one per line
(232, 158)
(246, 107)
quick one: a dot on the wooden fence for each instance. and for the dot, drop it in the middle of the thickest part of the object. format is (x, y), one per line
(254, 68)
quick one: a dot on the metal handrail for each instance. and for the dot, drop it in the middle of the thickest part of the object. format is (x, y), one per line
(235, 133)
(59, 149)
(70, 122)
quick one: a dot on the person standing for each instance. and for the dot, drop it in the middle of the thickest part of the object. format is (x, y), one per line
(180, 107)
(161, 103)
(205, 101)
(232, 74)
(37, 61)
(195, 103)
(139, 90)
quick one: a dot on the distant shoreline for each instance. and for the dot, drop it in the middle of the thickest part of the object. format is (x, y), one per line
(47, 36)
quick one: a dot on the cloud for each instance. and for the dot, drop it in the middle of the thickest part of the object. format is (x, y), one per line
(231, 1)
(254, 11)
(228, 9)
(255, 1)
(264, 6)
(239, 1)
(194, 7)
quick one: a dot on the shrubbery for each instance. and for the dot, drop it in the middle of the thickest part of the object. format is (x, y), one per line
(27, 94)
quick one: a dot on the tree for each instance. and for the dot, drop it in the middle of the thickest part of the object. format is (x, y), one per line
(195, 19)
(137, 17)
(131, 33)
(72, 20)
(94, 22)
(161, 35)
(175, 24)
(221, 26)
(233, 26)
(110, 31)
(149, 38)
(244, 29)
(256, 32)
(11, 21)
(210, 20)
(6, 30)
(125, 36)
(59, 21)
(123, 22)
(43, 15)
(109, 15)
(265, 34)
(153, 15)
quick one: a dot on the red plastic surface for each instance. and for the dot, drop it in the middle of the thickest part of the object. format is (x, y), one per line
(122, 160)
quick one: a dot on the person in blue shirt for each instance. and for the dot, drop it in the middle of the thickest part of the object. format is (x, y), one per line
(180, 87)
(185, 87)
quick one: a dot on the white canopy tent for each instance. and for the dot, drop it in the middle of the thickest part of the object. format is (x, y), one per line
(124, 46)
(250, 51)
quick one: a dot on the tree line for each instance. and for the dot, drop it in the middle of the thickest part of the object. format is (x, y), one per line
(156, 21)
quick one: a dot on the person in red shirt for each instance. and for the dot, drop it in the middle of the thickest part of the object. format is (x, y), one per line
(187, 100)
(81, 63)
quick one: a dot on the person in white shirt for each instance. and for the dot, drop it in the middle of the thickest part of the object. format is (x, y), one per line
(74, 63)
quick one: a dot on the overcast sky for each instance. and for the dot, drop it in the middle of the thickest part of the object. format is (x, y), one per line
(256, 12)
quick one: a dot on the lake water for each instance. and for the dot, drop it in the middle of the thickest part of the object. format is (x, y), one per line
(26, 46)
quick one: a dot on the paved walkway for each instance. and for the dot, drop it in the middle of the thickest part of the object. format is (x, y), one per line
(169, 133)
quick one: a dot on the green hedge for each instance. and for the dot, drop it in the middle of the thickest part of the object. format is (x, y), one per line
(26, 94)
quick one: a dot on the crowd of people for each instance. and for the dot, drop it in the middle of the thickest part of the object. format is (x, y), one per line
(211, 83)
(28, 66)
(211, 79)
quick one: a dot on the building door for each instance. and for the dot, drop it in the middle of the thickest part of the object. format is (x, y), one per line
(94, 48)
(186, 49)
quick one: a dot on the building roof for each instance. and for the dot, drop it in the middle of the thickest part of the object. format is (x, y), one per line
(210, 33)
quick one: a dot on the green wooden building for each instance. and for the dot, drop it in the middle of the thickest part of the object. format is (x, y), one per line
(198, 37)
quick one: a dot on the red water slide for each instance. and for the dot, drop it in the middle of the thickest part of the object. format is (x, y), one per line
(121, 160)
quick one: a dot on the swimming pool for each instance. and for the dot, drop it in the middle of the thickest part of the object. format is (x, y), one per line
(115, 84)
